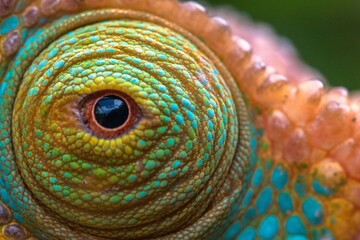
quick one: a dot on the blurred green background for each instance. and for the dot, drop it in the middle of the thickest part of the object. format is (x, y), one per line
(326, 33)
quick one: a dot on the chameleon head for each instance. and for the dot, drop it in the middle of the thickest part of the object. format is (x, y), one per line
(123, 119)
(176, 156)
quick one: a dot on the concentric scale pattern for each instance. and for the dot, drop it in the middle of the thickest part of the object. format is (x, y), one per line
(142, 177)
(148, 120)
(130, 173)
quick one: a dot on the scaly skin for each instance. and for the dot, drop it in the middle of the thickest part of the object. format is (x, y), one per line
(220, 146)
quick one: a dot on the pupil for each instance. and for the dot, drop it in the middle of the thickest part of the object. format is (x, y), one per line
(111, 112)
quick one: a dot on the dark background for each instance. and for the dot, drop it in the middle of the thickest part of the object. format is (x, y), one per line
(326, 33)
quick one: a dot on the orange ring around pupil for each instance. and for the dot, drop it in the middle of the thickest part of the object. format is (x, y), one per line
(119, 120)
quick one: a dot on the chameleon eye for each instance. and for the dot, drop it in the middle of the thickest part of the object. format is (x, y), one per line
(125, 125)
(109, 114)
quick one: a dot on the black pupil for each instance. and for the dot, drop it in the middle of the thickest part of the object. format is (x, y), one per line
(111, 112)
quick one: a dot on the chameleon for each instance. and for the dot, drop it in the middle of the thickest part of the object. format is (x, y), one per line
(139, 119)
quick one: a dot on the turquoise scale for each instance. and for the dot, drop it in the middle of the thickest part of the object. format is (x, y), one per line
(272, 190)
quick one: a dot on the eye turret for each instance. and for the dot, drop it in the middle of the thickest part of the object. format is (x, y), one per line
(125, 124)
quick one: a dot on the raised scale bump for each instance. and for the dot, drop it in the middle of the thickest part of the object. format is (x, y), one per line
(228, 135)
